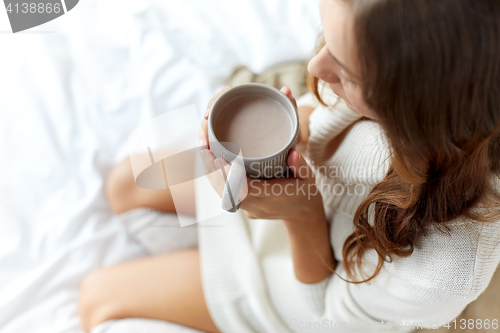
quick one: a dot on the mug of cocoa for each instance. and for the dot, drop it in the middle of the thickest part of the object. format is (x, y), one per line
(252, 126)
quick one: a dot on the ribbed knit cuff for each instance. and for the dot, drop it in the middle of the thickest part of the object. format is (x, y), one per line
(313, 295)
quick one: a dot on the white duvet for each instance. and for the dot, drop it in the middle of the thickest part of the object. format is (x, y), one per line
(72, 90)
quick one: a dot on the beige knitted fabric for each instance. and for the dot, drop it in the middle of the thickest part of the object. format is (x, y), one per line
(247, 271)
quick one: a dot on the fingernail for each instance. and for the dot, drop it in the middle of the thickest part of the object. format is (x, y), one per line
(219, 164)
(205, 157)
(206, 113)
(201, 143)
(205, 160)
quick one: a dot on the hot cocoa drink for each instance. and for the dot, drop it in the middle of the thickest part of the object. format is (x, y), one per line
(259, 125)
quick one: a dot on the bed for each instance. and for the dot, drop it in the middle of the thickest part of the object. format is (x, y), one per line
(72, 90)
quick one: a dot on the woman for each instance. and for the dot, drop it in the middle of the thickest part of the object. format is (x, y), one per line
(405, 149)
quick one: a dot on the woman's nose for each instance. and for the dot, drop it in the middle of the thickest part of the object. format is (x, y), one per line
(322, 66)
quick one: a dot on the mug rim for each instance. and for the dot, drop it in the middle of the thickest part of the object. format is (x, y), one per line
(264, 158)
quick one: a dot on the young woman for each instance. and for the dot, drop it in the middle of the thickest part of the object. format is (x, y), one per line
(398, 222)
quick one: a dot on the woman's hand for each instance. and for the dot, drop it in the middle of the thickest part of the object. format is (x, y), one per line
(289, 199)
(304, 112)
(295, 200)
(203, 133)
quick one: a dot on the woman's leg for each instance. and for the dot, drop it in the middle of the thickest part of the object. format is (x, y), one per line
(166, 287)
(123, 193)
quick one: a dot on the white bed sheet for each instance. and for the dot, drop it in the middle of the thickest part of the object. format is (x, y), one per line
(70, 93)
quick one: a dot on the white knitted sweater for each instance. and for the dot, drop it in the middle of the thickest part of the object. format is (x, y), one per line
(247, 269)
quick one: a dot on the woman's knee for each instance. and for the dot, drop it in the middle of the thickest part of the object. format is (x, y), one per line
(120, 187)
(96, 304)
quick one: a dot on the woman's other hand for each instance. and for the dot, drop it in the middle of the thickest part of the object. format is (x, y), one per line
(303, 112)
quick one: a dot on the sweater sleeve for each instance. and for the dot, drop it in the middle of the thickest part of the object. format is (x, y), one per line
(385, 299)
(427, 289)
(313, 295)
(391, 298)
(325, 123)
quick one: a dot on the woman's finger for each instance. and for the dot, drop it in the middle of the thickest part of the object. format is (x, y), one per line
(220, 163)
(252, 211)
(207, 160)
(203, 135)
(298, 166)
(211, 166)
(293, 101)
(212, 101)
(224, 166)
(219, 178)
(288, 92)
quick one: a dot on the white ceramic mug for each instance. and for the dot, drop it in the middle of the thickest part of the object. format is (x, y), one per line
(271, 166)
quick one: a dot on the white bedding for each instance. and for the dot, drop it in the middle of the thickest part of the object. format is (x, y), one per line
(69, 97)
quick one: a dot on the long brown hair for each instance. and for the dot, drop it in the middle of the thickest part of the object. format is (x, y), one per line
(431, 73)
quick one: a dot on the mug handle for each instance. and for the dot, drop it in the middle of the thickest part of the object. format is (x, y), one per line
(233, 184)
